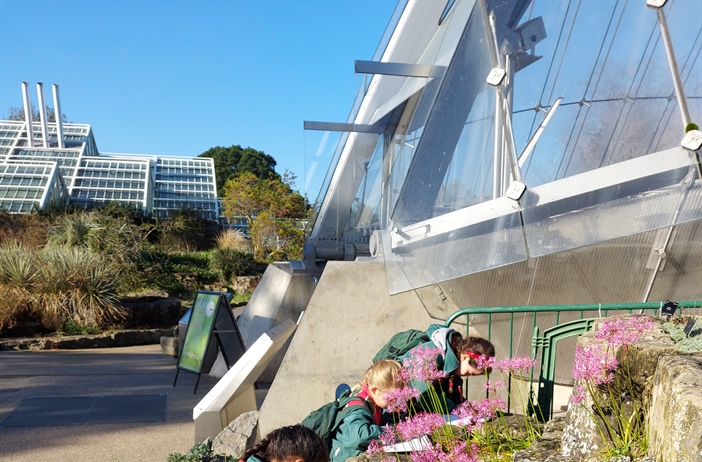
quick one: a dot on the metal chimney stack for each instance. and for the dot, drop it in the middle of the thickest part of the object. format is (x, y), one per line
(28, 114)
(57, 114)
(42, 114)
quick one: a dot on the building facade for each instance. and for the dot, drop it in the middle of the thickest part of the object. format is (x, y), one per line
(53, 164)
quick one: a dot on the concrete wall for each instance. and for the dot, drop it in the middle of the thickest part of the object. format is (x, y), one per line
(349, 317)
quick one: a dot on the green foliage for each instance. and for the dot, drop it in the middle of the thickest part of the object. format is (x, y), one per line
(685, 343)
(276, 240)
(78, 284)
(275, 212)
(70, 327)
(94, 255)
(17, 277)
(234, 160)
(231, 262)
(72, 230)
(184, 231)
(201, 452)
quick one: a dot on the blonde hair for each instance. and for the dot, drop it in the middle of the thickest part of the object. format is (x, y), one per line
(382, 375)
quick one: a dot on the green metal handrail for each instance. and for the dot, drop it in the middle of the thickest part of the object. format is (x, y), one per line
(603, 309)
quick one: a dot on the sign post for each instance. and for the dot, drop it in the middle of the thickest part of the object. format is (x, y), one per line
(210, 316)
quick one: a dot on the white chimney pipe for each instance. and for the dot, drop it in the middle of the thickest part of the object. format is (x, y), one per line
(57, 114)
(42, 114)
(28, 114)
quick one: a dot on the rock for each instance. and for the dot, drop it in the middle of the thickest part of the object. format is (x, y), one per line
(239, 435)
(676, 409)
(245, 284)
(152, 310)
(170, 346)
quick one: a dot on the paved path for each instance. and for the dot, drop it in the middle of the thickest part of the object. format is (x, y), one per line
(136, 370)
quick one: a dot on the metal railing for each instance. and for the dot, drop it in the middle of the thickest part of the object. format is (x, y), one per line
(546, 344)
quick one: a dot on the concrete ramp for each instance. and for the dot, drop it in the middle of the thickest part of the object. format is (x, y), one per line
(234, 394)
(279, 296)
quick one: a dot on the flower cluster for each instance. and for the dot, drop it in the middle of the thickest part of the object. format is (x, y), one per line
(421, 365)
(459, 435)
(595, 366)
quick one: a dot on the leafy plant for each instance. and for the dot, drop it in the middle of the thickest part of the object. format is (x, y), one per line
(230, 262)
(607, 390)
(201, 452)
(78, 284)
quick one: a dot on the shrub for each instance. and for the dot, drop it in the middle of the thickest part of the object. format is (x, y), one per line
(18, 274)
(30, 230)
(230, 262)
(77, 284)
(72, 229)
(233, 239)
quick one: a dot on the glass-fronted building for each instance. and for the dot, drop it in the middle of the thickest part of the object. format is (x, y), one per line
(51, 165)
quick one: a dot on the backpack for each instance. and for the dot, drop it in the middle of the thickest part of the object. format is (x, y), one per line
(401, 343)
(326, 420)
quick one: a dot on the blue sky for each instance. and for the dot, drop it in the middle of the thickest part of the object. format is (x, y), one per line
(180, 77)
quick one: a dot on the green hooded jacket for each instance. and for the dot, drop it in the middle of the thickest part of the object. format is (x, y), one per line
(447, 388)
(354, 434)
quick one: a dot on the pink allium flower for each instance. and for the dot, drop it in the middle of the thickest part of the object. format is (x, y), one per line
(429, 455)
(578, 395)
(421, 365)
(594, 364)
(474, 413)
(485, 362)
(422, 423)
(519, 363)
(375, 447)
(494, 385)
(462, 452)
(398, 398)
(388, 436)
(642, 324)
(620, 331)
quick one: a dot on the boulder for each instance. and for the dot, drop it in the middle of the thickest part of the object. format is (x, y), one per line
(675, 432)
(151, 309)
(239, 435)
(170, 346)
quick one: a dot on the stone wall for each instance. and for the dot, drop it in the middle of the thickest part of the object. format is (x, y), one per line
(666, 384)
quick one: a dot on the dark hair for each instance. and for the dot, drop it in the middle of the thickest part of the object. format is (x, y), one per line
(476, 345)
(294, 440)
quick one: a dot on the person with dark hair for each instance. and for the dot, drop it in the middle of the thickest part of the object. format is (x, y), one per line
(295, 443)
(460, 357)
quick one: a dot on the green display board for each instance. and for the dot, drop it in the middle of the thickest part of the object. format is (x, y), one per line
(210, 317)
(197, 337)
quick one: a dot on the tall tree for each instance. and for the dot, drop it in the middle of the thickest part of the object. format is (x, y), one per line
(274, 212)
(234, 160)
(247, 195)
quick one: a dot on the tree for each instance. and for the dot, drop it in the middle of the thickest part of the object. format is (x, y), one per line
(234, 160)
(17, 113)
(273, 210)
(247, 195)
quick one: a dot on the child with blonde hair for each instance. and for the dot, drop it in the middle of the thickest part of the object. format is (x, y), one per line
(361, 424)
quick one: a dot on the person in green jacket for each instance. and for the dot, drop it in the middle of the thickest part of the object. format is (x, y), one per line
(368, 399)
(460, 357)
(294, 443)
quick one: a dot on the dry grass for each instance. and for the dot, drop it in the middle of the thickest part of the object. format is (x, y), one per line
(233, 239)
